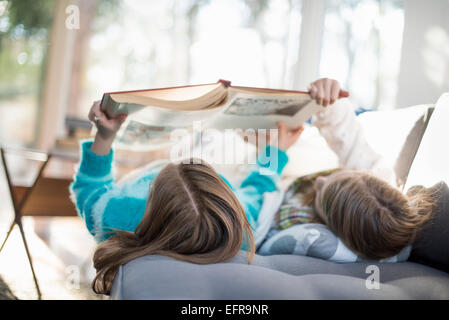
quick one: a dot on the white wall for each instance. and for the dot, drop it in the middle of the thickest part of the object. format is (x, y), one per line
(424, 70)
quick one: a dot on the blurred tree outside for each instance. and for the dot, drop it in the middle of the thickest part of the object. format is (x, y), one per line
(24, 30)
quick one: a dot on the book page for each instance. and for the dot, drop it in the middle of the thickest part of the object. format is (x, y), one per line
(150, 128)
(179, 93)
(174, 118)
(182, 98)
(246, 111)
(135, 135)
(431, 163)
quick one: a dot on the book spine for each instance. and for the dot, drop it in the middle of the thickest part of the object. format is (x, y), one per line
(108, 105)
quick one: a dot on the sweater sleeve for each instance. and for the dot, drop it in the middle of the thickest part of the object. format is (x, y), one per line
(342, 131)
(263, 178)
(101, 203)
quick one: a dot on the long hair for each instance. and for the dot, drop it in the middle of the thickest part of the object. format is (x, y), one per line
(370, 216)
(191, 215)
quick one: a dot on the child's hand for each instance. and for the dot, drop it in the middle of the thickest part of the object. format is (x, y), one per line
(287, 137)
(107, 127)
(326, 91)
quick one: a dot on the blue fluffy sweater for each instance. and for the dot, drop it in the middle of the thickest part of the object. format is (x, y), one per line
(104, 205)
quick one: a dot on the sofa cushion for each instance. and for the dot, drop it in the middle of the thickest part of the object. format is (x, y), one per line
(410, 147)
(275, 277)
(318, 241)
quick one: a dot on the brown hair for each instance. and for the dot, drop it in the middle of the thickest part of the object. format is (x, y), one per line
(191, 215)
(370, 216)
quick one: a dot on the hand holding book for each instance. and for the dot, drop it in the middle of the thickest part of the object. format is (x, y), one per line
(285, 137)
(326, 91)
(106, 129)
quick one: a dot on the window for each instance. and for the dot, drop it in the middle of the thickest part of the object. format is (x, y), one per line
(24, 33)
(132, 44)
(362, 49)
(143, 44)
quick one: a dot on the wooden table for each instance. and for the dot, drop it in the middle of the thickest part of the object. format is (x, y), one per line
(51, 196)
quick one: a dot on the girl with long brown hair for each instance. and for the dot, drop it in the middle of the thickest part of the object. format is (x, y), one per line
(359, 203)
(185, 211)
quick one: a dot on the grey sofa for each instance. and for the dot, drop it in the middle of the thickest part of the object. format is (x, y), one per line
(275, 277)
(296, 277)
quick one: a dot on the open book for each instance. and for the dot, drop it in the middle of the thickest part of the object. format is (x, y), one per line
(154, 113)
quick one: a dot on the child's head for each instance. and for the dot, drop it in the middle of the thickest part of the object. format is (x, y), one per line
(191, 215)
(370, 216)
